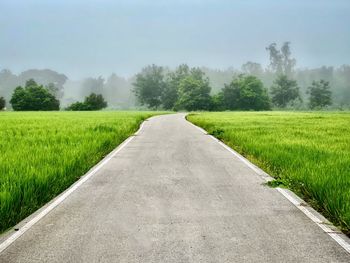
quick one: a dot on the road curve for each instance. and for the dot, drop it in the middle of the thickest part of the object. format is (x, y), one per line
(174, 195)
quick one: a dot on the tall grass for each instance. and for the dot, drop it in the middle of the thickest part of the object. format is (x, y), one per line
(307, 152)
(42, 153)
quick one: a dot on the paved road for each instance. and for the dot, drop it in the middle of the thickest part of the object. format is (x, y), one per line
(174, 195)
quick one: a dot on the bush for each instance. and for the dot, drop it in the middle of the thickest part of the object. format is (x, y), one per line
(33, 97)
(91, 102)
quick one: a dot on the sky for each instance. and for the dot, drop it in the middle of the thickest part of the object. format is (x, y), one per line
(91, 38)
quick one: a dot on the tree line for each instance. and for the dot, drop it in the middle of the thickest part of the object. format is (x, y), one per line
(189, 89)
(36, 97)
(183, 89)
(280, 84)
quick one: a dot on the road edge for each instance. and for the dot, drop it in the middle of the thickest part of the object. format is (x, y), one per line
(302, 205)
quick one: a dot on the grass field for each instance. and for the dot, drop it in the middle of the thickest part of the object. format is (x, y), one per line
(43, 153)
(307, 152)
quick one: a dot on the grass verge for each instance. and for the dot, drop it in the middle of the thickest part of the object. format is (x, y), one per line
(43, 153)
(308, 152)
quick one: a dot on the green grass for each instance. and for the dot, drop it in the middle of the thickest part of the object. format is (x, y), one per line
(307, 152)
(43, 153)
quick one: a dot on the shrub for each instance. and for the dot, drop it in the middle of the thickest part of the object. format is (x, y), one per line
(33, 97)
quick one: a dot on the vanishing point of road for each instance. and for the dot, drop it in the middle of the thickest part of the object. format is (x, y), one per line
(173, 194)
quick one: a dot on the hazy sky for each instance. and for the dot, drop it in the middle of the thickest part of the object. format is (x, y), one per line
(81, 38)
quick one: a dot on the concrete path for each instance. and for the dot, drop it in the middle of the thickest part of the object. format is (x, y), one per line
(174, 195)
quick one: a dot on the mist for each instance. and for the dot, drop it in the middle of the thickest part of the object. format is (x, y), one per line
(92, 38)
(101, 45)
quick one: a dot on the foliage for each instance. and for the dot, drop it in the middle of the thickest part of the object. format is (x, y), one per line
(217, 102)
(33, 97)
(95, 102)
(308, 152)
(170, 94)
(44, 153)
(245, 93)
(194, 92)
(284, 91)
(2, 103)
(185, 88)
(91, 103)
(149, 86)
(78, 106)
(320, 94)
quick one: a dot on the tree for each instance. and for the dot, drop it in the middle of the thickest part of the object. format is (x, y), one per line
(252, 68)
(194, 92)
(170, 92)
(149, 86)
(320, 94)
(53, 89)
(288, 63)
(45, 77)
(245, 93)
(217, 102)
(91, 103)
(116, 91)
(33, 97)
(95, 102)
(8, 82)
(93, 85)
(2, 103)
(284, 90)
(280, 60)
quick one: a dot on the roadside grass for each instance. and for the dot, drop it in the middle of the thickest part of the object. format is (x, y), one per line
(43, 153)
(308, 152)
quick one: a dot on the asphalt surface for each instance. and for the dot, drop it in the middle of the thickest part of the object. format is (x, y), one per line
(174, 195)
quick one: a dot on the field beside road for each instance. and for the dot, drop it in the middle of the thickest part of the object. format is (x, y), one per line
(307, 152)
(43, 153)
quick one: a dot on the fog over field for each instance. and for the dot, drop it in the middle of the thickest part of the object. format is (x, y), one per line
(100, 45)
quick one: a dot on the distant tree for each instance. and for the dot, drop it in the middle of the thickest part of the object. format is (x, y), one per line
(149, 86)
(252, 68)
(95, 101)
(342, 87)
(33, 97)
(92, 85)
(53, 89)
(288, 63)
(91, 103)
(194, 92)
(320, 94)
(2, 103)
(284, 91)
(280, 60)
(45, 77)
(169, 95)
(8, 82)
(245, 93)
